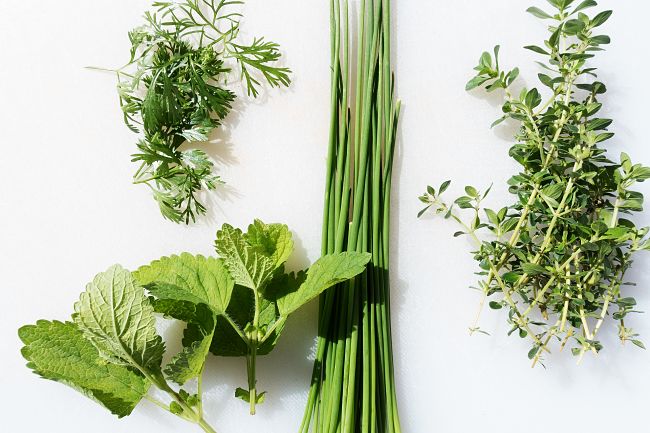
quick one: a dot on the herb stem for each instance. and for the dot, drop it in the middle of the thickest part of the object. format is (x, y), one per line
(157, 402)
(207, 428)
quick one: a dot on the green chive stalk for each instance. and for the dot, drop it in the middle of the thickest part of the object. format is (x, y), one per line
(353, 387)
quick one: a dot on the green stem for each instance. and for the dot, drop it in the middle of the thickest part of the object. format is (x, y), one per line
(252, 357)
(252, 391)
(205, 426)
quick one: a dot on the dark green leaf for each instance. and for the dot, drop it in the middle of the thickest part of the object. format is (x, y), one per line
(533, 269)
(601, 18)
(538, 12)
(511, 277)
(495, 305)
(537, 49)
(584, 5)
(475, 82)
(573, 27)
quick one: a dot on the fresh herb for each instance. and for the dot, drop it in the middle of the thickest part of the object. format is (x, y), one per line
(353, 388)
(263, 296)
(173, 90)
(111, 351)
(558, 256)
(238, 304)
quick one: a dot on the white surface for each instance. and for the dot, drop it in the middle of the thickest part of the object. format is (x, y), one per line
(68, 211)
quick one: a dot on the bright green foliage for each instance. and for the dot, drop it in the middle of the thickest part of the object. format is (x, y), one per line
(558, 255)
(266, 295)
(195, 279)
(115, 315)
(326, 272)
(251, 264)
(353, 386)
(173, 90)
(193, 289)
(113, 354)
(58, 351)
(188, 364)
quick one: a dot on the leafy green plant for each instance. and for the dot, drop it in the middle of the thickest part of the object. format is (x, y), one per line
(234, 305)
(557, 257)
(174, 91)
(353, 387)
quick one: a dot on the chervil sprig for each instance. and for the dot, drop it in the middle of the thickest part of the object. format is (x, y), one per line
(173, 91)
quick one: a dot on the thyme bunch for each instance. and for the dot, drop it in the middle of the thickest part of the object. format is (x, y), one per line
(556, 259)
(174, 91)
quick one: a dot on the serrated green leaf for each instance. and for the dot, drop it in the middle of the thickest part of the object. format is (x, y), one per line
(242, 394)
(193, 289)
(247, 265)
(116, 316)
(189, 362)
(325, 273)
(175, 408)
(58, 351)
(194, 279)
(273, 240)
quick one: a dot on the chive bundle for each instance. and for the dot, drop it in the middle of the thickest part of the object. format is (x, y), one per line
(352, 387)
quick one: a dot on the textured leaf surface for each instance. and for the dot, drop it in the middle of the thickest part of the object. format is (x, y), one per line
(188, 363)
(195, 279)
(248, 266)
(197, 337)
(116, 316)
(273, 240)
(58, 351)
(326, 272)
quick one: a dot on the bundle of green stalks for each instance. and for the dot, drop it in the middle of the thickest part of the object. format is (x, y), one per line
(352, 389)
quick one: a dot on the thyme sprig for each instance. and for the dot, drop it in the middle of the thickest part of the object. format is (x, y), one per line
(173, 90)
(558, 256)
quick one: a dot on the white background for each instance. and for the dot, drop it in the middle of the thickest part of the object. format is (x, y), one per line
(68, 211)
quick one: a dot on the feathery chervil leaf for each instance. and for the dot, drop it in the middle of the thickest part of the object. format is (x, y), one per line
(58, 351)
(116, 316)
(194, 279)
(326, 272)
(248, 266)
